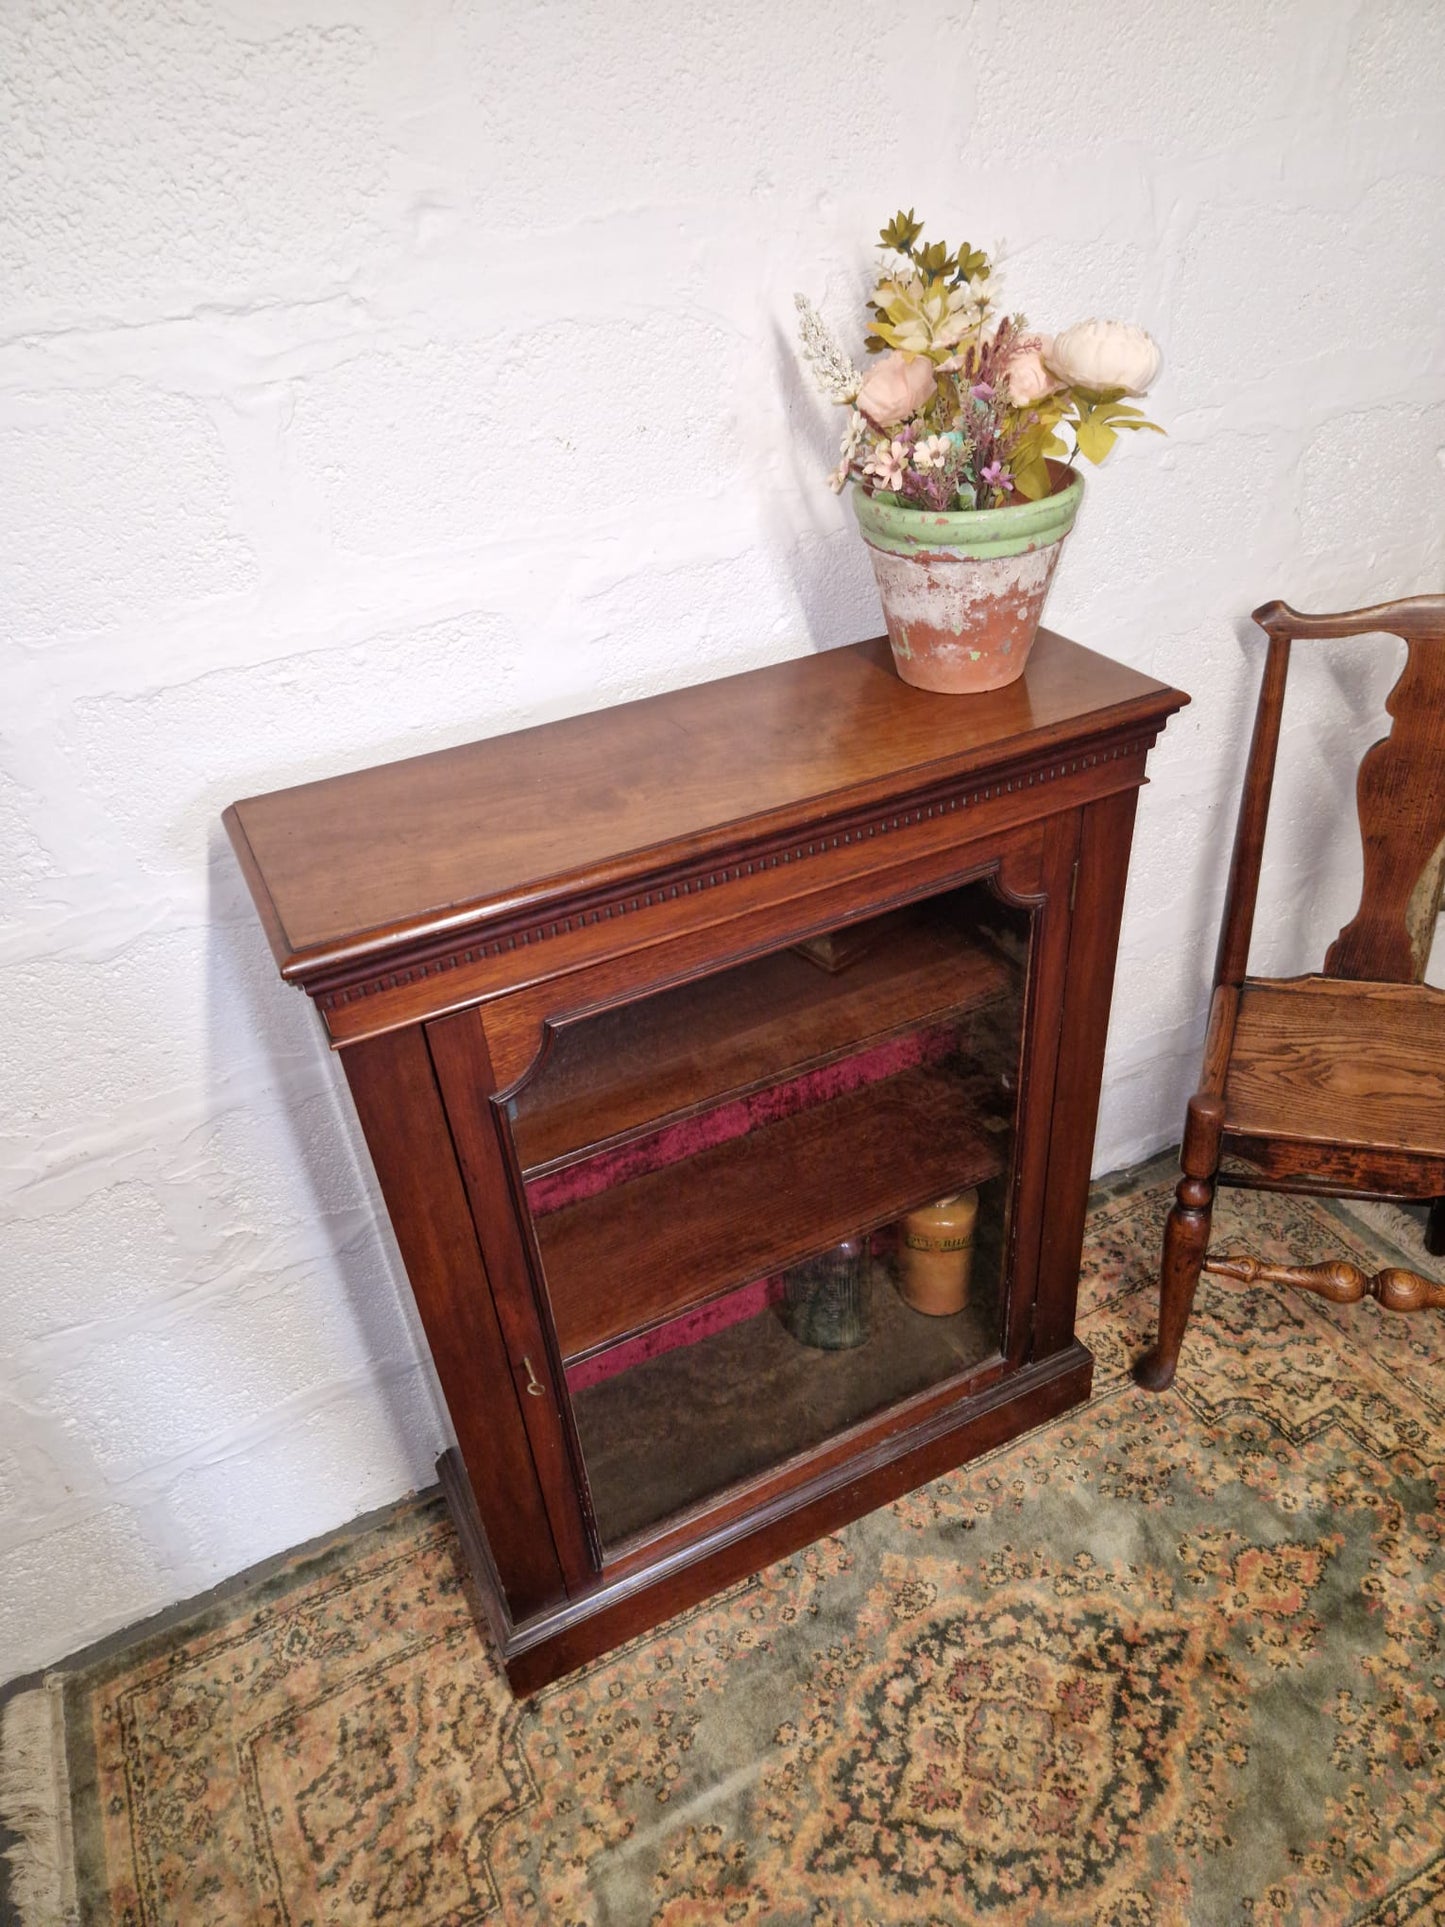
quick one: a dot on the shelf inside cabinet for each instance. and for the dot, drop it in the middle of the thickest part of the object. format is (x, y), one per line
(621, 1072)
(648, 1249)
(663, 1435)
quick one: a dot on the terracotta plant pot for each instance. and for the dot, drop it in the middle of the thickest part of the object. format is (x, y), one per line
(963, 592)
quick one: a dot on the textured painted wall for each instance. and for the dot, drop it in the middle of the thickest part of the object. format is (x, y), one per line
(378, 374)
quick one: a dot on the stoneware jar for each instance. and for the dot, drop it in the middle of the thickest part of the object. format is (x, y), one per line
(963, 592)
(935, 1254)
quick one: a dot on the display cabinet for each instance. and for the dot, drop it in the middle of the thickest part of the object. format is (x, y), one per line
(730, 1062)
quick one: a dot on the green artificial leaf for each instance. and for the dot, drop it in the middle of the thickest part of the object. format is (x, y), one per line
(968, 262)
(1101, 419)
(1096, 437)
(1030, 454)
(1120, 413)
(901, 232)
(1033, 480)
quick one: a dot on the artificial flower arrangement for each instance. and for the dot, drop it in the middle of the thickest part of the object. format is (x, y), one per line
(961, 441)
(965, 410)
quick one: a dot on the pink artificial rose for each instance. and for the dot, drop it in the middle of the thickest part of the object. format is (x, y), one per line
(1026, 378)
(895, 388)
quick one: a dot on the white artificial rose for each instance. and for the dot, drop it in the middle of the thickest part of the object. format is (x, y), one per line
(1106, 354)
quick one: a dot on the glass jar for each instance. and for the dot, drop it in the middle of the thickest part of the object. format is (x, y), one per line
(825, 1299)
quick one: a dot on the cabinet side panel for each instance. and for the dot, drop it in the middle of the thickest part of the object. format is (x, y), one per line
(1106, 834)
(406, 1132)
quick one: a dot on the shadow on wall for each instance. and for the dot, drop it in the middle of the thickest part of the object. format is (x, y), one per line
(823, 566)
(309, 1115)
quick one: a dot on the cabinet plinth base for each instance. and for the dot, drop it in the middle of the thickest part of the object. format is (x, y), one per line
(544, 1647)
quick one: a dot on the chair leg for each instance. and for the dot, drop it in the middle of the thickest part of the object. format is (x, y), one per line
(1435, 1229)
(1186, 1239)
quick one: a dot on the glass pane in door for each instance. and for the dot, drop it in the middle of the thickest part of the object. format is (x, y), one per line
(771, 1203)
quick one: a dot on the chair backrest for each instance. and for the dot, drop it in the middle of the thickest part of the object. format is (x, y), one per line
(1400, 791)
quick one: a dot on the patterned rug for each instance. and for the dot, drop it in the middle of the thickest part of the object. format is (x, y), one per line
(1166, 1660)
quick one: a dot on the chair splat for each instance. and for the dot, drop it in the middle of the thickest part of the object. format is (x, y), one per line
(1401, 793)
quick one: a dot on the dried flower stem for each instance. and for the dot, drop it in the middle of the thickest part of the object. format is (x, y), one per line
(834, 373)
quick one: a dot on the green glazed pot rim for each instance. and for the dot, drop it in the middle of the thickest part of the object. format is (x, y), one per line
(974, 532)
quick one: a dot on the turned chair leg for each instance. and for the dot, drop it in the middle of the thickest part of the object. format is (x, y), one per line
(1186, 1239)
(1435, 1229)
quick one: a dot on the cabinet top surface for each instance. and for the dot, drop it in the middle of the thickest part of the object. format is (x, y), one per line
(352, 863)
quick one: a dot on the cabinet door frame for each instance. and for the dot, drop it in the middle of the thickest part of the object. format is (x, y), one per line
(484, 1053)
(407, 1130)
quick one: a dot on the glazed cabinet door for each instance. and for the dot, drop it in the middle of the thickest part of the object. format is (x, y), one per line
(777, 1209)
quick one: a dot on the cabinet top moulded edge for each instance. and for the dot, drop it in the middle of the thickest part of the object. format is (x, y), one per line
(360, 865)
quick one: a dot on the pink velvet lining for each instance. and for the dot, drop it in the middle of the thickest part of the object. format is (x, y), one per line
(694, 1326)
(690, 1329)
(675, 1142)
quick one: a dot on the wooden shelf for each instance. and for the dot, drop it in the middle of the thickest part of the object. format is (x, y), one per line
(624, 1071)
(647, 1250)
(686, 1400)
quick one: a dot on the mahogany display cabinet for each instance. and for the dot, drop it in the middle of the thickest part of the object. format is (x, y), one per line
(659, 1023)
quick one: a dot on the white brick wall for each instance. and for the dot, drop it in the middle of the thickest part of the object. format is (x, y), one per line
(377, 374)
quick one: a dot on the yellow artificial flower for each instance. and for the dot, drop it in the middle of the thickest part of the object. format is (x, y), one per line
(925, 317)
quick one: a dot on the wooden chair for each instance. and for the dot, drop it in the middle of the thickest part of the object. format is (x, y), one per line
(1332, 1084)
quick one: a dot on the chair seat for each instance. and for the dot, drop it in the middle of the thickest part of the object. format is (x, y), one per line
(1336, 1061)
